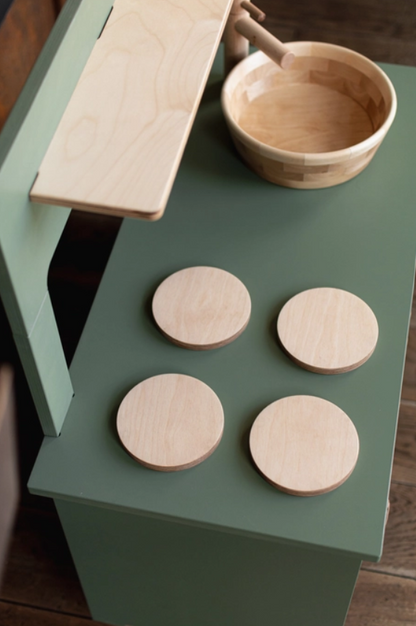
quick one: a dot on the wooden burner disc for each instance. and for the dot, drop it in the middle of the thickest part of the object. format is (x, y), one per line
(201, 307)
(304, 445)
(170, 422)
(326, 330)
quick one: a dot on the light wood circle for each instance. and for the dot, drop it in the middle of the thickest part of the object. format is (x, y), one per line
(343, 121)
(304, 445)
(201, 307)
(170, 422)
(317, 123)
(327, 330)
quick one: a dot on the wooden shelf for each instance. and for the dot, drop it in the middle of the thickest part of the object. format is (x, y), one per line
(120, 141)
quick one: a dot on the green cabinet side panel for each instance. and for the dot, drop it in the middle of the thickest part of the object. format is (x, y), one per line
(29, 233)
(359, 236)
(44, 363)
(141, 571)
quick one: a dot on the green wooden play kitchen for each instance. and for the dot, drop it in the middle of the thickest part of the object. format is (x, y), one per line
(215, 543)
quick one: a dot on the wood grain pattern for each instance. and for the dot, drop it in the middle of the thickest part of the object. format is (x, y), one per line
(357, 24)
(254, 11)
(326, 330)
(265, 41)
(202, 307)
(404, 467)
(120, 141)
(236, 47)
(343, 122)
(409, 378)
(170, 422)
(304, 445)
(399, 553)
(413, 315)
(40, 572)
(381, 600)
(314, 125)
(22, 35)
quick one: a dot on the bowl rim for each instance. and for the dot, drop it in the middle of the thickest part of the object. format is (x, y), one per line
(257, 59)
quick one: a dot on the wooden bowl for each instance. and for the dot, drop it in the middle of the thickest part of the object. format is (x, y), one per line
(316, 124)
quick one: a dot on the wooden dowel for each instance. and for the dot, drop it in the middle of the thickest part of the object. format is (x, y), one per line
(265, 41)
(256, 13)
(236, 46)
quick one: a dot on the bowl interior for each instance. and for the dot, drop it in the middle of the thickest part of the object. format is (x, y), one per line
(330, 99)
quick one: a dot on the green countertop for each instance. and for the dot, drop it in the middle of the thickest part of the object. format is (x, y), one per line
(359, 236)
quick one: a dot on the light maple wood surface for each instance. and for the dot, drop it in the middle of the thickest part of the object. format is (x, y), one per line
(119, 144)
(304, 445)
(170, 422)
(201, 307)
(242, 28)
(236, 47)
(255, 12)
(265, 41)
(316, 124)
(327, 330)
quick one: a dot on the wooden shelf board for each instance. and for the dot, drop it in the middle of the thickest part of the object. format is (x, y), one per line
(120, 141)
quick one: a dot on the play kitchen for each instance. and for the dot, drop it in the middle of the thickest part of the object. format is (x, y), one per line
(242, 352)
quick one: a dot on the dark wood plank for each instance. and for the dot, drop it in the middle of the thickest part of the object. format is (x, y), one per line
(385, 34)
(404, 468)
(399, 554)
(382, 600)
(15, 615)
(22, 35)
(379, 600)
(413, 317)
(40, 572)
(409, 378)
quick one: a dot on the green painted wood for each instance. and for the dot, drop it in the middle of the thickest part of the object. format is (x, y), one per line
(137, 571)
(29, 233)
(358, 236)
(46, 369)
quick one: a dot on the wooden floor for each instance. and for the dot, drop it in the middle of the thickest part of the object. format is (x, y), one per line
(40, 585)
